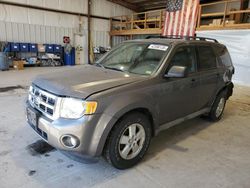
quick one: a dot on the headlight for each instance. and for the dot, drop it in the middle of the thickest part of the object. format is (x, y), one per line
(76, 108)
(30, 88)
(30, 91)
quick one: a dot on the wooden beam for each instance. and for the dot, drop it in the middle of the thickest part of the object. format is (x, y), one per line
(213, 14)
(226, 27)
(220, 2)
(225, 14)
(110, 36)
(147, 31)
(238, 11)
(199, 17)
(89, 31)
(125, 4)
(151, 5)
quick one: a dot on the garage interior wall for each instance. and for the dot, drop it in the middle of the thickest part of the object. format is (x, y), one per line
(19, 24)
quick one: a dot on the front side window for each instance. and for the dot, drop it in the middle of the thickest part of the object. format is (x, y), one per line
(207, 58)
(137, 58)
(185, 56)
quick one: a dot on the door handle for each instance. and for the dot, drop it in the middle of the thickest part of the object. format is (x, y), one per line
(193, 80)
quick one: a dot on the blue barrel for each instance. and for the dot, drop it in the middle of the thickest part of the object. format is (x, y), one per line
(69, 58)
(4, 65)
(73, 56)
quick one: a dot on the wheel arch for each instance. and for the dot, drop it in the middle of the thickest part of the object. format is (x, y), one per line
(142, 110)
(228, 88)
(108, 130)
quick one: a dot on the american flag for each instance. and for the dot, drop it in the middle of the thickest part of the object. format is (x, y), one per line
(181, 17)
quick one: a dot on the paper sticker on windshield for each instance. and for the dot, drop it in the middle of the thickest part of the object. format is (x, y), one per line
(158, 47)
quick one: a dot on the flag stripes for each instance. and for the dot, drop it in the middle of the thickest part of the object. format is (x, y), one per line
(181, 17)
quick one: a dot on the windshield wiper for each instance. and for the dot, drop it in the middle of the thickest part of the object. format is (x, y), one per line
(100, 65)
(113, 68)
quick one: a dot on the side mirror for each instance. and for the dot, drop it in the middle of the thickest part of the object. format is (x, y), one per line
(176, 72)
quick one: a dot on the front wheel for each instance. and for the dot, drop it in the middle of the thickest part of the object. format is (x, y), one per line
(218, 107)
(129, 141)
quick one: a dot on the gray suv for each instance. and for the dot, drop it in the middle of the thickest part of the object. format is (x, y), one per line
(114, 107)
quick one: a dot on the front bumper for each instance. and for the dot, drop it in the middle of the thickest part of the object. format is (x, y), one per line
(85, 129)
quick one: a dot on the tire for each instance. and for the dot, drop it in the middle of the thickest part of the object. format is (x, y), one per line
(122, 149)
(218, 107)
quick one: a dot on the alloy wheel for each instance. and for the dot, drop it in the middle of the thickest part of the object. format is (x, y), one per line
(132, 141)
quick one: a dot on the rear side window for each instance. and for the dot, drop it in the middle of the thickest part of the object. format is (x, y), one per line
(207, 58)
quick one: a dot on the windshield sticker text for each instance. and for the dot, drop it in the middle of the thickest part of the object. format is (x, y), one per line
(158, 47)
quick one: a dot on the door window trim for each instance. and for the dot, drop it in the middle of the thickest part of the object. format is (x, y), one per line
(168, 62)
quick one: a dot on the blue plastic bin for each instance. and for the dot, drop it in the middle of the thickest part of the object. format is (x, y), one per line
(49, 48)
(57, 48)
(24, 47)
(15, 47)
(33, 47)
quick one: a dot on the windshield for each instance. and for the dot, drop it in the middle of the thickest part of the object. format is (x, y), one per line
(137, 58)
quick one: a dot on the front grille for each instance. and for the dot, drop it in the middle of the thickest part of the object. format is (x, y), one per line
(42, 101)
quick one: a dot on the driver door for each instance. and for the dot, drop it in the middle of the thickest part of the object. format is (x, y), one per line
(179, 96)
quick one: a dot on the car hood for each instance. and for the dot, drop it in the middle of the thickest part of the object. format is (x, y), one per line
(83, 81)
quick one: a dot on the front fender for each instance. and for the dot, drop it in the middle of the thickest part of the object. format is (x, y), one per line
(117, 108)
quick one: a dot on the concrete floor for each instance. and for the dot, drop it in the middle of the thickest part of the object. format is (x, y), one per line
(196, 153)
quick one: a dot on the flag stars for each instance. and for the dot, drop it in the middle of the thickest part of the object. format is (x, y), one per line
(174, 5)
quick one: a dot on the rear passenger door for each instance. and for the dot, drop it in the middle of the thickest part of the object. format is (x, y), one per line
(209, 74)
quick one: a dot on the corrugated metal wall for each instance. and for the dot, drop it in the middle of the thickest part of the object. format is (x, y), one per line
(28, 25)
(117, 40)
(21, 32)
(101, 28)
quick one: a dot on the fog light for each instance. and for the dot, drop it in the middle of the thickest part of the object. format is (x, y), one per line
(70, 141)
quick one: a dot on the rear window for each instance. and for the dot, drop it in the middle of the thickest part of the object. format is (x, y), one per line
(207, 58)
(225, 58)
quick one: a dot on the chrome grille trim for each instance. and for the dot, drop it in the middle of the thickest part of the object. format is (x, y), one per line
(44, 102)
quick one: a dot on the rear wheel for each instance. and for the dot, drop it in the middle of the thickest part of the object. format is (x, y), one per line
(218, 107)
(129, 141)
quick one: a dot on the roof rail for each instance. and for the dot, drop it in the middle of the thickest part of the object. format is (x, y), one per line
(183, 37)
